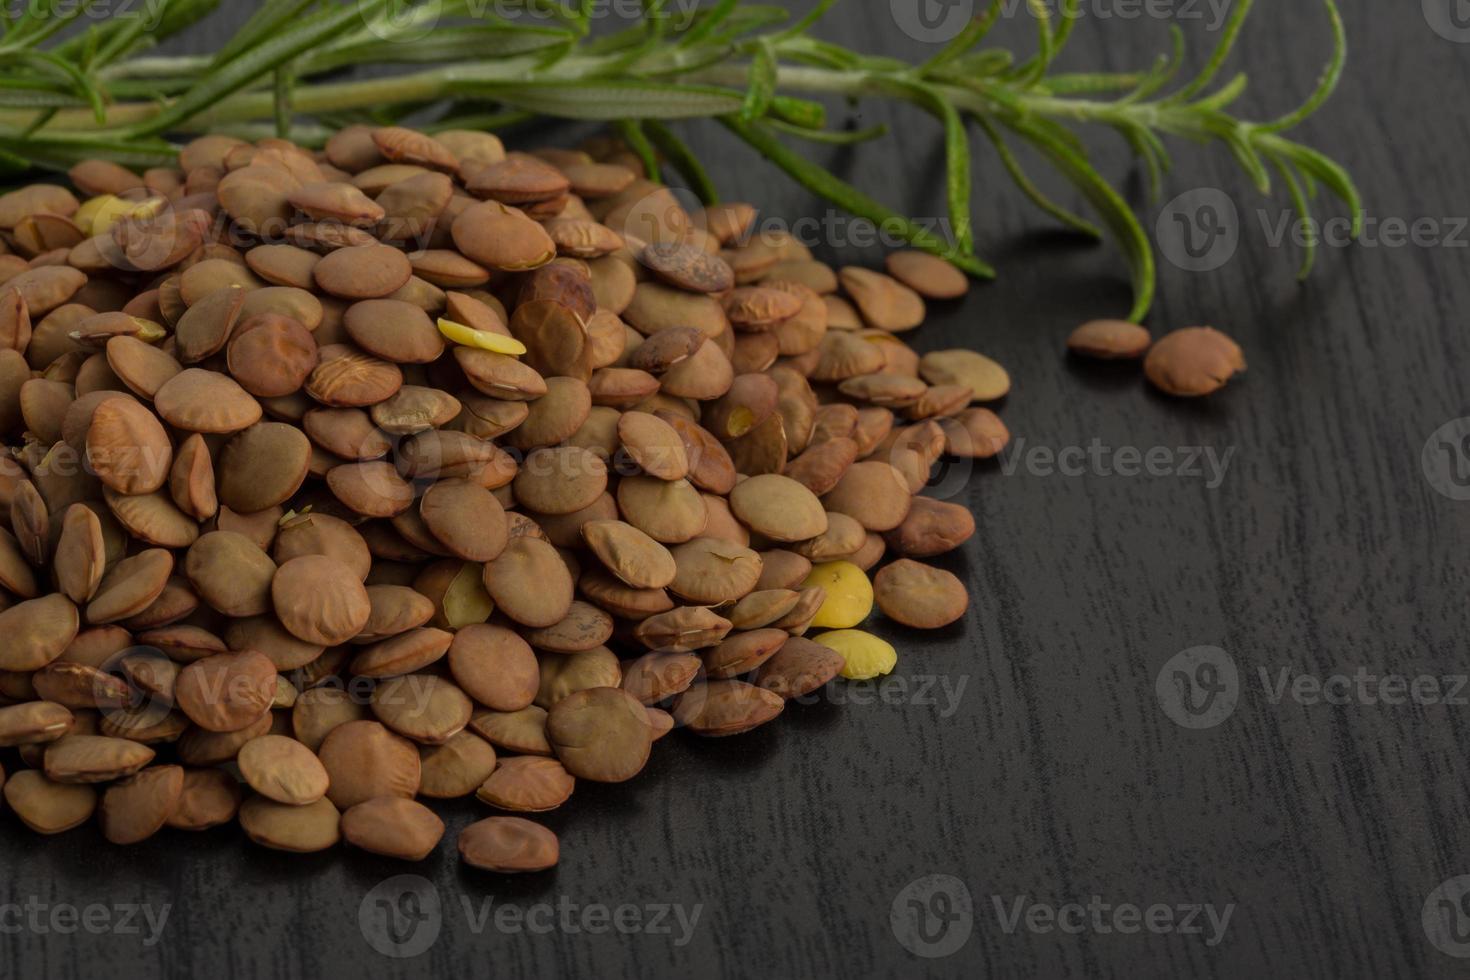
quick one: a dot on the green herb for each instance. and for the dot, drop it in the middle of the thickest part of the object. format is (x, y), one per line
(100, 93)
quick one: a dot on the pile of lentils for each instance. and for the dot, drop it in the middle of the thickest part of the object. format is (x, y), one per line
(339, 482)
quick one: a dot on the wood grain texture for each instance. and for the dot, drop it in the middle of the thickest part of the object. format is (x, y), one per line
(1056, 775)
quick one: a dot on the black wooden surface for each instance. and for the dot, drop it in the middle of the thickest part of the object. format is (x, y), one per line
(1056, 776)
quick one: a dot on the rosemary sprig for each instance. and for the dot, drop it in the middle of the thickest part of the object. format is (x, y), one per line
(100, 93)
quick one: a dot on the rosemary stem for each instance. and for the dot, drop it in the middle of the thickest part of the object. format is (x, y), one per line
(795, 78)
(155, 67)
(438, 83)
(335, 96)
(318, 97)
(824, 81)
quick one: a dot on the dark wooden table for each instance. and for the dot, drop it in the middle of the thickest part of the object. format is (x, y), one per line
(1026, 754)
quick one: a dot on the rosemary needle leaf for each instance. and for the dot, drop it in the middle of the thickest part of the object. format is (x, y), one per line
(705, 23)
(1148, 149)
(1316, 165)
(1217, 103)
(1164, 69)
(1228, 36)
(1304, 214)
(40, 121)
(1084, 83)
(13, 163)
(283, 82)
(600, 99)
(749, 18)
(120, 36)
(1024, 182)
(806, 23)
(1046, 48)
(967, 39)
(38, 21)
(446, 44)
(1328, 82)
(35, 93)
(683, 160)
(60, 154)
(1245, 154)
(82, 86)
(832, 137)
(1069, 17)
(982, 64)
(633, 134)
(815, 52)
(849, 198)
(799, 112)
(267, 20)
(251, 65)
(957, 164)
(1114, 211)
(762, 88)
